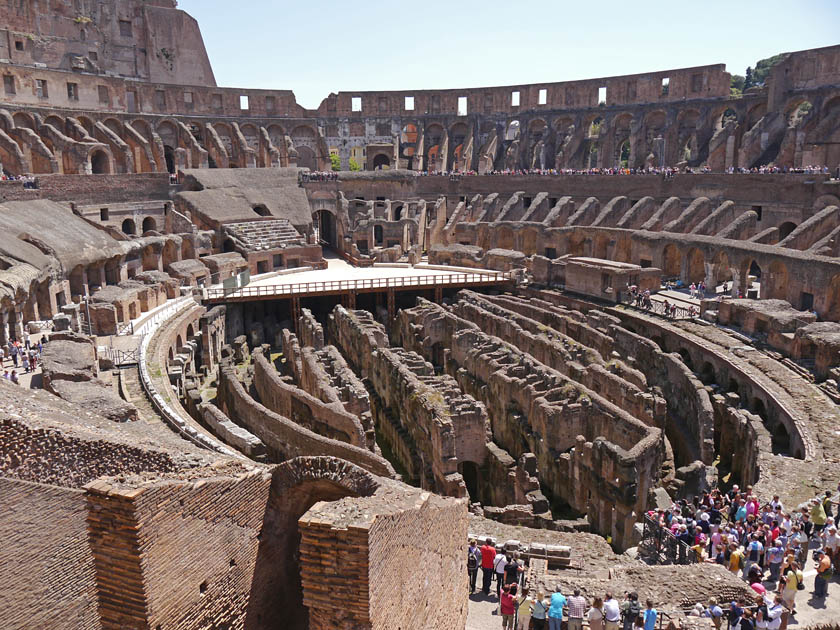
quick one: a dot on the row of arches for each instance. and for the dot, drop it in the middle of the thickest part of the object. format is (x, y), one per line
(129, 226)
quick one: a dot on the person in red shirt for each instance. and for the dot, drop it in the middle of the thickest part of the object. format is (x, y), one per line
(488, 555)
(508, 606)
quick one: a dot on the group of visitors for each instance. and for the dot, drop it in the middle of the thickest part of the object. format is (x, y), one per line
(319, 176)
(24, 356)
(772, 170)
(765, 543)
(521, 610)
(28, 180)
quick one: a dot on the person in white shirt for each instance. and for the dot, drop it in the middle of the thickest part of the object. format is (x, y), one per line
(774, 613)
(499, 565)
(612, 612)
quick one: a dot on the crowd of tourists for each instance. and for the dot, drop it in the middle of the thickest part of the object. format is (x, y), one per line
(665, 171)
(319, 176)
(523, 609)
(21, 356)
(763, 542)
(28, 180)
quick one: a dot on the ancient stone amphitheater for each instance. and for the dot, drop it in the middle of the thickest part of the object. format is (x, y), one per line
(277, 398)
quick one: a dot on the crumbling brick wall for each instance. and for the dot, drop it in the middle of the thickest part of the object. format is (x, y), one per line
(47, 579)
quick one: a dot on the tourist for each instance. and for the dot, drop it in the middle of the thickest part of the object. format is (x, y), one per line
(612, 612)
(523, 612)
(818, 516)
(473, 562)
(736, 558)
(746, 621)
(715, 613)
(774, 613)
(595, 616)
(774, 558)
(650, 615)
(823, 564)
(25, 362)
(577, 609)
(630, 610)
(793, 580)
(499, 565)
(6, 375)
(513, 569)
(555, 612)
(507, 604)
(488, 555)
(14, 377)
(539, 611)
(753, 553)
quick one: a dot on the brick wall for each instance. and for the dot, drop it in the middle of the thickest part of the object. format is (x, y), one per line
(47, 579)
(104, 188)
(361, 562)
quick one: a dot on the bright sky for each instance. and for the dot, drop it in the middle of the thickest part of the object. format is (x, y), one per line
(315, 47)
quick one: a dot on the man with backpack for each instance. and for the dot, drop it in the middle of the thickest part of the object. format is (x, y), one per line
(473, 562)
(630, 610)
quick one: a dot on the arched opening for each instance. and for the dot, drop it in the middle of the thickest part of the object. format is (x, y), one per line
(512, 132)
(326, 227)
(398, 213)
(730, 116)
(775, 285)
(377, 235)
(624, 154)
(228, 246)
(780, 440)
(190, 331)
(722, 271)
(686, 358)
(785, 229)
(753, 283)
(671, 260)
(171, 355)
(757, 407)
(170, 253)
(707, 374)
(470, 472)
(381, 162)
(169, 156)
(179, 343)
(129, 227)
(149, 225)
(261, 210)
(306, 158)
(99, 163)
(832, 300)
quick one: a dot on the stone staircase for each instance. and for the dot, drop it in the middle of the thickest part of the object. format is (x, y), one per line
(265, 234)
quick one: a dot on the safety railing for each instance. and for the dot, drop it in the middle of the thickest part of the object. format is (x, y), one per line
(657, 307)
(660, 546)
(360, 284)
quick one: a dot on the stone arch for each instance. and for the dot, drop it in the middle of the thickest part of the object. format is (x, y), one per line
(149, 225)
(190, 331)
(261, 210)
(726, 116)
(251, 135)
(306, 157)
(169, 158)
(55, 121)
(752, 269)
(296, 485)
(381, 162)
(129, 227)
(143, 128)
(754, 114)
(86, 123)
(179, 343)
(457, 139)
(114, 125)
(170, 253)
(433, 139)
(325, 222)
(168, 132)
(512, 130)
(100, 163)
(797, 110)
(671, 259)
(24, 120)
(785, 229)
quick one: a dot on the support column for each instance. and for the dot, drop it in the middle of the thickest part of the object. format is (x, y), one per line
(438, 295)
(392, 307)
(296, 314)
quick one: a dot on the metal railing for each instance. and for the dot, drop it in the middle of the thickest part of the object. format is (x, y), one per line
(658, 308)
(660, 546)
(360, 284)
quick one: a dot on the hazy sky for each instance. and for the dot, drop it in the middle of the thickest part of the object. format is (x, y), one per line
(315, 47)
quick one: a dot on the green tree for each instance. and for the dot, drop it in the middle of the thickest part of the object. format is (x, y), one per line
(736, 84)
(354, 165)
(748, 79)
(763, 66)
(335, 161)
